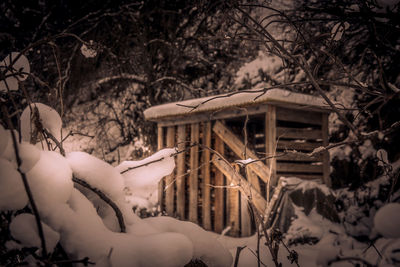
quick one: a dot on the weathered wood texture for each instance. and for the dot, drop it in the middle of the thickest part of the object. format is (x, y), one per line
(233, 209)
(299, 133)
(237, 146)
(206, 175)
(194, 175)
(270, 144)
(202, 181)
(245, 187)
(325, 142)
(180, 172)
(170, 179)
(245, 218)
(161, 183)
(219, 190)
(292, 115)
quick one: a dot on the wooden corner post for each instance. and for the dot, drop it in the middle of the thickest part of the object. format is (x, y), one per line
(205, 170)
(160, 145)
(194, 176)
(169, 180)
(325, 142)
(180, 172)
(219, 190)
(270, 142)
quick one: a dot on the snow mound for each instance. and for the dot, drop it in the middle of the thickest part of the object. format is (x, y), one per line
(24, 229)
(50, 181)
(141, 177)
(97, 173)
(206, 247)
(387, 220)
(85, 235)
(12, 191)
(6, 143)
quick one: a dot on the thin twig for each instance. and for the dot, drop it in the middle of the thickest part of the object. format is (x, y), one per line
(238, 250)
(106, 199)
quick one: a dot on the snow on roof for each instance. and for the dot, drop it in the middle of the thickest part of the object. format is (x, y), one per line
(240, 98)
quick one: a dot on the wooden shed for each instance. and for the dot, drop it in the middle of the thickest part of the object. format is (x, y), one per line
(247, 125)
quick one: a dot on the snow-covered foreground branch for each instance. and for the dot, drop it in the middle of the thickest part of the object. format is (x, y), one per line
(76, 216)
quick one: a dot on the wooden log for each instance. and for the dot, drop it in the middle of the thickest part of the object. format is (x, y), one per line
(298, 167)
(245, 187)
(296, 115)
(325, 142)
(238, 148)
(270, 144)
(180, 173)
(206, 194)
(160, 145)
(194, 177)
(291, 145)
(299, 133)
(219, 191)
(169, 180)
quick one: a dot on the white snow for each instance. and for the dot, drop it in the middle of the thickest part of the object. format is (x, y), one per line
(29, 156)
(305, 185)
(24, 229)
(387, 220)
(227, 100)
(270, 64)
(382, 156)
(88, 52)
(6, 143)
(49, 118)
(206, 247)
(85, 235)
(338, 30)
(50, 181)
(12, 191)
(244, 161)
(141, 177)
(96, 172)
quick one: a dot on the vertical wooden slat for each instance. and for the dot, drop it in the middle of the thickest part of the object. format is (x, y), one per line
(160, 145)
(233, 210)
(169, 180)
(219, 191)
(270, 141)
(193, 178)
(245, 217)
(206, 212)
(180, 173)
(325, 142)
(245, 220)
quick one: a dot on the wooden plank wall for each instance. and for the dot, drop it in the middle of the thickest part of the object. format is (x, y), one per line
(301, 131)
(199, 191)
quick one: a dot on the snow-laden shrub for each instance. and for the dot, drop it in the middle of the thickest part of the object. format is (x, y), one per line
(75, 217)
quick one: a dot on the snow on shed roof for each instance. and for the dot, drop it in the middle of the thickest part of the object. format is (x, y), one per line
(240, 98)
